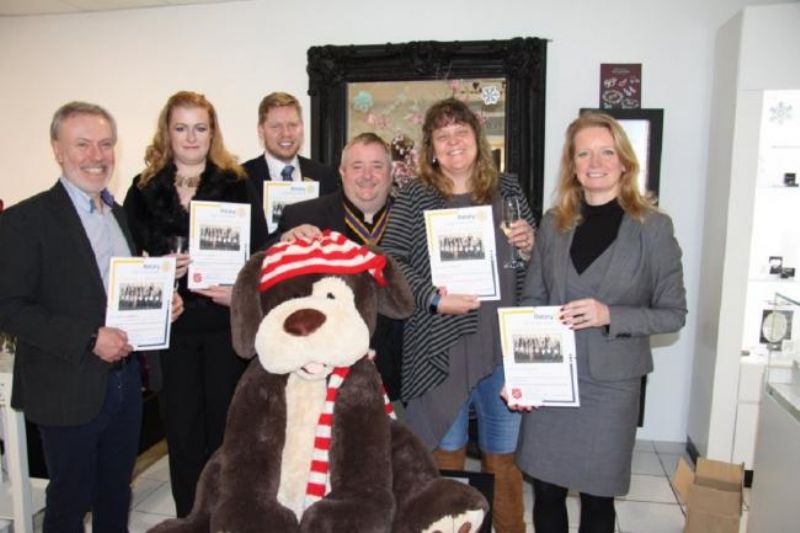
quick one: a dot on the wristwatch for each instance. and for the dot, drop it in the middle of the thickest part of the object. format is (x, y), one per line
(92, 342)
(433, 307)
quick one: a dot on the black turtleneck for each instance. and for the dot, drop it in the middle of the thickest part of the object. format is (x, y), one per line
(596, 232)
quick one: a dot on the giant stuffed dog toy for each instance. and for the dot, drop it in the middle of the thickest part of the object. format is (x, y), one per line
(310, 445)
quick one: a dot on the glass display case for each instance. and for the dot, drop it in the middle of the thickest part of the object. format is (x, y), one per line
(779, 330)
(773, 504)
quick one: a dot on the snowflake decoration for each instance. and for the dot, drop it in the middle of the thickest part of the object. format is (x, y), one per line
(362, 101)
(490, 95)
(780, 113)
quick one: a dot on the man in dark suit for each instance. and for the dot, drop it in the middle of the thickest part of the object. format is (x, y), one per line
(360, 210)
(73, 376)
(280, 127)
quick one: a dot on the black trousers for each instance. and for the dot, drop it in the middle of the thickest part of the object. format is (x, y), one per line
(90, 465)
(550, 510)
(200, 372)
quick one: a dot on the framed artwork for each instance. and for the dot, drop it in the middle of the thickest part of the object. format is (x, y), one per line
(387, 88)
(644, 128)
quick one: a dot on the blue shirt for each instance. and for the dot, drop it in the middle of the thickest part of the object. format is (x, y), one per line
(101, 227)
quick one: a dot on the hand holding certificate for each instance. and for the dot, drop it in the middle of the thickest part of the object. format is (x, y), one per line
(140, 299)
(539, 358)
(462, 251)
(219, 238)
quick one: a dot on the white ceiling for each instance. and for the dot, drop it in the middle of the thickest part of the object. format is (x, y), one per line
(42, 7)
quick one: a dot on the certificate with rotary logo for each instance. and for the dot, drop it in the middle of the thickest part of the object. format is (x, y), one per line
(140, 299)
(539, 358)
(462, 251)
(279, 194)
(219, 242)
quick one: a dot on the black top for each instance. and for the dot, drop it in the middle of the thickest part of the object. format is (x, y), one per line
(155, 214)
(596, 232)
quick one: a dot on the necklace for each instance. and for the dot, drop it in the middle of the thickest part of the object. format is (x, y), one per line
(189, 181)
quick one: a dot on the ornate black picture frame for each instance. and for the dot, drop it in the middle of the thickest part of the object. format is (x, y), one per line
(520, 61)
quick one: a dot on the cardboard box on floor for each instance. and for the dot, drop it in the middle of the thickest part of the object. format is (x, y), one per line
(712, 495)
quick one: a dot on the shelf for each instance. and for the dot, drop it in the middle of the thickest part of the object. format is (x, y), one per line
(773, 279)
(788, 396)
(776, 187)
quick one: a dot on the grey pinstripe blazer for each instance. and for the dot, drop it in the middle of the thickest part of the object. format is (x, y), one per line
(427, 338)
(643, 290)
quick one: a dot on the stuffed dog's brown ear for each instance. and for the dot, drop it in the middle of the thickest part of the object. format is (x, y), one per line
(246, 311)
(395, 300)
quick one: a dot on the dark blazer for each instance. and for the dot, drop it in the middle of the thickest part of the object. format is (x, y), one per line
(327, 212)
(52, 298)
(327, 176)
(643, 290)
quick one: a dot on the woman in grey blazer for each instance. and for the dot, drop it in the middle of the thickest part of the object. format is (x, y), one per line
(611, 260)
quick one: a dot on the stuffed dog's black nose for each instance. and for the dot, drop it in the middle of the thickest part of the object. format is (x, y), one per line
(303, 322)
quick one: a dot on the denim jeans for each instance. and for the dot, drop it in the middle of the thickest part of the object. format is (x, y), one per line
(498, 427)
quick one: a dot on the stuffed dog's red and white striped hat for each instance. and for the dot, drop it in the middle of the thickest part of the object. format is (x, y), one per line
(330, 253)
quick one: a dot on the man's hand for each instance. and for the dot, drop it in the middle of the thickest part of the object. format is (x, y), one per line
(219, 294)
(303, 231)
(112, 344)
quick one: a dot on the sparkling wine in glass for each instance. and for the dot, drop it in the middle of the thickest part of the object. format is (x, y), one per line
(178, 244)
(511, 213)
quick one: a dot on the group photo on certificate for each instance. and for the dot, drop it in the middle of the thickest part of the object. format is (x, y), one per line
(140, 295)
(219, 238)
(461, 245)
(278, 194)
(538, 357)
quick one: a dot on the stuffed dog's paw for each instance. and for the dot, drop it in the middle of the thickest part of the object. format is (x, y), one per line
(466, 522)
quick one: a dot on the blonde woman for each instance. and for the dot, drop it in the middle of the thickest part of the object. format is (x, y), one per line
(187, 161)
(610, 258)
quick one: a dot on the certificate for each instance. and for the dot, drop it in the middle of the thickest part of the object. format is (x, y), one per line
(219, 242)
(462, 251)
(140, 299)
(538, 357)
(279, 194)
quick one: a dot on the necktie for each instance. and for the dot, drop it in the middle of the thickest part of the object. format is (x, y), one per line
(286, 173)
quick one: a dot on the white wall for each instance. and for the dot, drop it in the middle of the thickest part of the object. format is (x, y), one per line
(130, 61)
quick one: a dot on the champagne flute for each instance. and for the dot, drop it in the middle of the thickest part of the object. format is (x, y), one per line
(511, 213)
(178, 244)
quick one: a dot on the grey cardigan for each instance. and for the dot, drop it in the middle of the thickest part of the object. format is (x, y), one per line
(426, 337)
(643, 289)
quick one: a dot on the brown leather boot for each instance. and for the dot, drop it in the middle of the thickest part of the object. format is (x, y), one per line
(446, 460)
(507, 508)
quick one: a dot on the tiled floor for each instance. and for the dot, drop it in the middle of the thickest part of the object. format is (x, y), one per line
(649, 507)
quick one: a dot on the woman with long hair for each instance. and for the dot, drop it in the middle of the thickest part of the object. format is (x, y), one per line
(186, 161)
(452, 361)
(610, 259)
